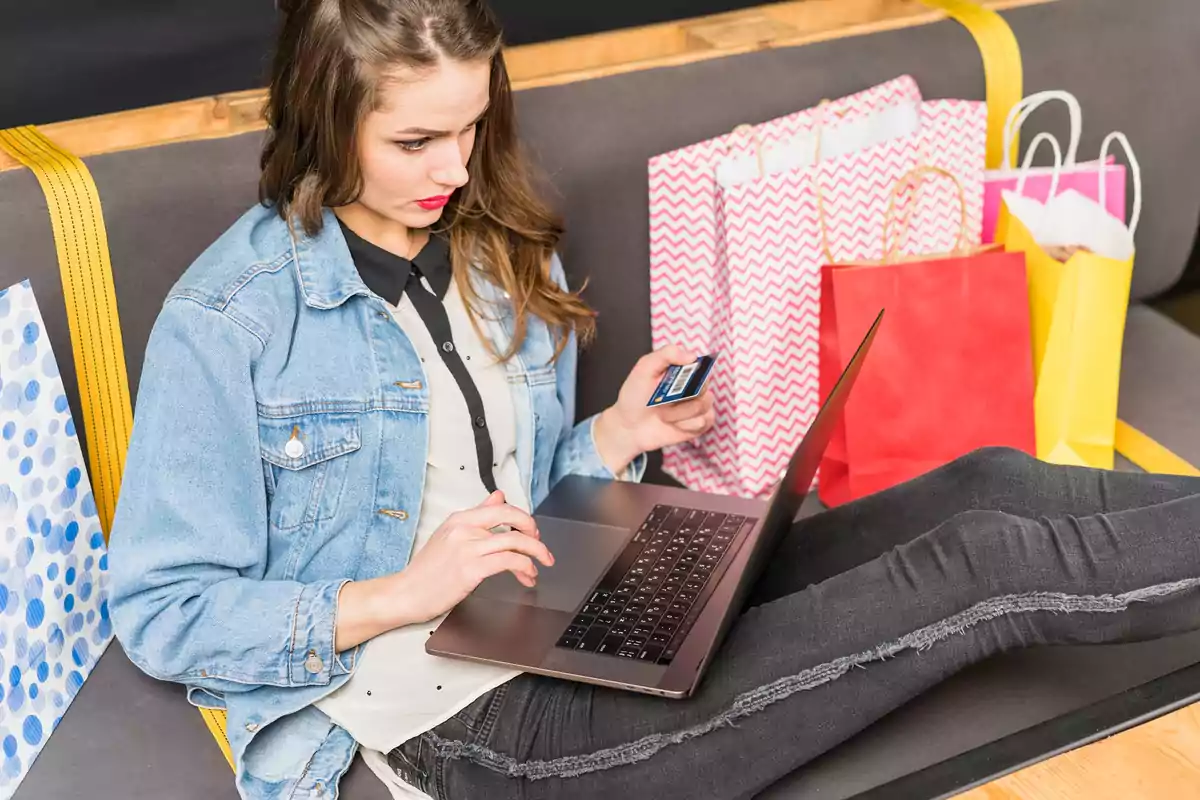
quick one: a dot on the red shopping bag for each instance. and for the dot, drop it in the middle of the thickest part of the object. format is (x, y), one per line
(951, 369)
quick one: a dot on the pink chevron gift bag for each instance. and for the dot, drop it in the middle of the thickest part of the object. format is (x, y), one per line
(736, 264)
(690, 278)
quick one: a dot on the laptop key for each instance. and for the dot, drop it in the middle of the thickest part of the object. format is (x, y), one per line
(651, 653)
(675, 518)
(660, 638)
(569, 642)
(628, 652)
(583, 620)
(592, 640)
(610, 645)
(599, 598)
(606, 619)
(643, 628)
(626, 620)
(671, 649)
(621, 630)
(575, 631)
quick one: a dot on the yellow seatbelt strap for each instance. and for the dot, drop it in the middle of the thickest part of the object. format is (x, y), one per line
(215, 720)
(1002, 68)
(81, 242)
(82, 245)
(1149, 454)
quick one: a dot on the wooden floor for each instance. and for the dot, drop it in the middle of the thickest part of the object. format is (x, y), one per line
(1158, 760)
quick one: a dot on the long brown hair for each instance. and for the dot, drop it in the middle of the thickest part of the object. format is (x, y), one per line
(331, 59)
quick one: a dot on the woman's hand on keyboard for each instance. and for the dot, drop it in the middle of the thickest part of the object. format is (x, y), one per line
(460, 555)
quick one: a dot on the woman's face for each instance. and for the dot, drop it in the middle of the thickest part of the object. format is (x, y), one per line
(413, 149)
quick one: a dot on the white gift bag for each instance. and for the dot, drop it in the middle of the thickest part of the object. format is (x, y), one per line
(54, 622)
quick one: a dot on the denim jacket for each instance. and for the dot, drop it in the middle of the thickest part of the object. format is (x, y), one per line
(230, 546)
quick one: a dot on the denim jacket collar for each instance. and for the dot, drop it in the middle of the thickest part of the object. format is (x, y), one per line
(328, 277)
(323, 265)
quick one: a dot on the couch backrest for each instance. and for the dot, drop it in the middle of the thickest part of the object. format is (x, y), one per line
(1129, 63)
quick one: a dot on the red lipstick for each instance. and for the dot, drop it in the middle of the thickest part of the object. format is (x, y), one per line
(434, 203)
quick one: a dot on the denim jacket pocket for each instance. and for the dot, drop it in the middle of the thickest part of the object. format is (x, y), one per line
(305, 464)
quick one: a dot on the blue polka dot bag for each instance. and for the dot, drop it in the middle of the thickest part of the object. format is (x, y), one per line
(54, 621)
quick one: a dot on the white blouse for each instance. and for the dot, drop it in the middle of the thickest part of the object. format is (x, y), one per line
(398, 691)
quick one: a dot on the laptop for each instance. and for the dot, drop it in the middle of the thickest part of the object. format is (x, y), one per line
(647, 579)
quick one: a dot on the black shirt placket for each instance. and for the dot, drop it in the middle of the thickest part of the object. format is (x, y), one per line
(433, 313)
(389, 275)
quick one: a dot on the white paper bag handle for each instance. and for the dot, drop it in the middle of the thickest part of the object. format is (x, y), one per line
(1134, 167)
(1055, 174)
(1021, 111)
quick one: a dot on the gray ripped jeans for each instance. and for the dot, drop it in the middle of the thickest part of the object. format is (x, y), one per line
(992, 552)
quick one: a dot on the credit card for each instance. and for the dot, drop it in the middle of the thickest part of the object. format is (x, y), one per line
(683, 383)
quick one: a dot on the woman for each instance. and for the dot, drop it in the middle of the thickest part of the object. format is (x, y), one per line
(352, 400)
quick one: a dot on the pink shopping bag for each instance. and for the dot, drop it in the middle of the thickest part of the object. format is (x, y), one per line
(1084, 178)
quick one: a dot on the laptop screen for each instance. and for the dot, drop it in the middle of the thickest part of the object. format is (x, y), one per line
(802, 468)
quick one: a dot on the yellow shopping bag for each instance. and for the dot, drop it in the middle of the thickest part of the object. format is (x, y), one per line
(1079, 263)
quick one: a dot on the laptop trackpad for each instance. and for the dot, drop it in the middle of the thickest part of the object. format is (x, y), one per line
(582, 552)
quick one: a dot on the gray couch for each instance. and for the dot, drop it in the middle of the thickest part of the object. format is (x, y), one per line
(127, 736)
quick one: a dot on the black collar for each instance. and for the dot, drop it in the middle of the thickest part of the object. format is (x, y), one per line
(387, 274)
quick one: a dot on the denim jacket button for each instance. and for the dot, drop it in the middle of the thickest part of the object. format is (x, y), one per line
(313, 663)
(294, 448)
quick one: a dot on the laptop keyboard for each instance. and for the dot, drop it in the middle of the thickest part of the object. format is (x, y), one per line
(650, 597)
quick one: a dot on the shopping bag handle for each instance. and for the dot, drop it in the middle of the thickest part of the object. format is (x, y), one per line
(1021, 111)
(890, 248)
(1134, 167)
(1028, 162)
